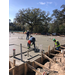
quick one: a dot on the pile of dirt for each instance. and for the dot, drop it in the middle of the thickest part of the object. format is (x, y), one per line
(57, 68)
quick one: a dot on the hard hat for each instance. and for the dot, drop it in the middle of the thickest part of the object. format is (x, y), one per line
(53, 39)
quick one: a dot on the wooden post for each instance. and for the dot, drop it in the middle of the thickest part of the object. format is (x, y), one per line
(21, 51)
(33, 64)
(25, 68)
(49, 64)
(41, 56)
(60, 59)
(48, 50)
(13, 61)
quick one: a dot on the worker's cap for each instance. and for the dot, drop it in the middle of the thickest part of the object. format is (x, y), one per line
(53, 39)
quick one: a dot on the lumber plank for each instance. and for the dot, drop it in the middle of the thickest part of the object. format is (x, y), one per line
(11, 69)
(62, 47)
(31, 67)
(49, 58)
(42, 65)
(57, 51)
(53, 54)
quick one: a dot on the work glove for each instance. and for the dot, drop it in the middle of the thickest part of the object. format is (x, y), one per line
(28, 47)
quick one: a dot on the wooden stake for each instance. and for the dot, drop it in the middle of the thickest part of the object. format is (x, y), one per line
(13, 66)
(33, 64)
(13, 61)
(49, 65)
(41, 56)
(26, 67)
(48, 50)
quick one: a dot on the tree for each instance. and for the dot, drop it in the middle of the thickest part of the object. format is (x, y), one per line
(9, 20)
(58, 25)
(33, 17)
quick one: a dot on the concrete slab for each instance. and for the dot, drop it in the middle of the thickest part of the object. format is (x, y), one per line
(16, 38)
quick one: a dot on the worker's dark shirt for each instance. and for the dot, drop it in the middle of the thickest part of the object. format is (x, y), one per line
(57, 43)
(27, 33)
(32, 39)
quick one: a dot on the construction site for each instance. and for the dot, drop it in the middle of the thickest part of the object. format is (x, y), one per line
(46, 60)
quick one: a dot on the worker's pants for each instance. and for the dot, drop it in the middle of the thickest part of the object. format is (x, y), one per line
(28, 45)
(33, 43)
(57, 48)
(27, 37)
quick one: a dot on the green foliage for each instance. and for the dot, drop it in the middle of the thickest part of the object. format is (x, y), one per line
(38, 21)
(58, 25)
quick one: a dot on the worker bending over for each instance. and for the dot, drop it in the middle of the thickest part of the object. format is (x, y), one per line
(31, 40)
(57, 44)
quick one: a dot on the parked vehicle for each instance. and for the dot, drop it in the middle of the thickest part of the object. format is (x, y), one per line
(53, 33)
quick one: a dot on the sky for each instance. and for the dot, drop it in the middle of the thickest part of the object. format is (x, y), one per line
(46, 5)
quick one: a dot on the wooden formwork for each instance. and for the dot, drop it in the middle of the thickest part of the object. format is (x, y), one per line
(28, 66)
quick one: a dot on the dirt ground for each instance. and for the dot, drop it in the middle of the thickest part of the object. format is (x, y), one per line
(57, 68)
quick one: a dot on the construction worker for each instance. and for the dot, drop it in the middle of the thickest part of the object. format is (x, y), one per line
(27, 37)
(57, 44)
(31, 40)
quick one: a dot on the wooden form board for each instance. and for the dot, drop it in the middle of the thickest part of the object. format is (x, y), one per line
(11, 69)
(42, 65)
(57, 51)
(24, 68)
(48, 58)
(62, 47)
(32, 68)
